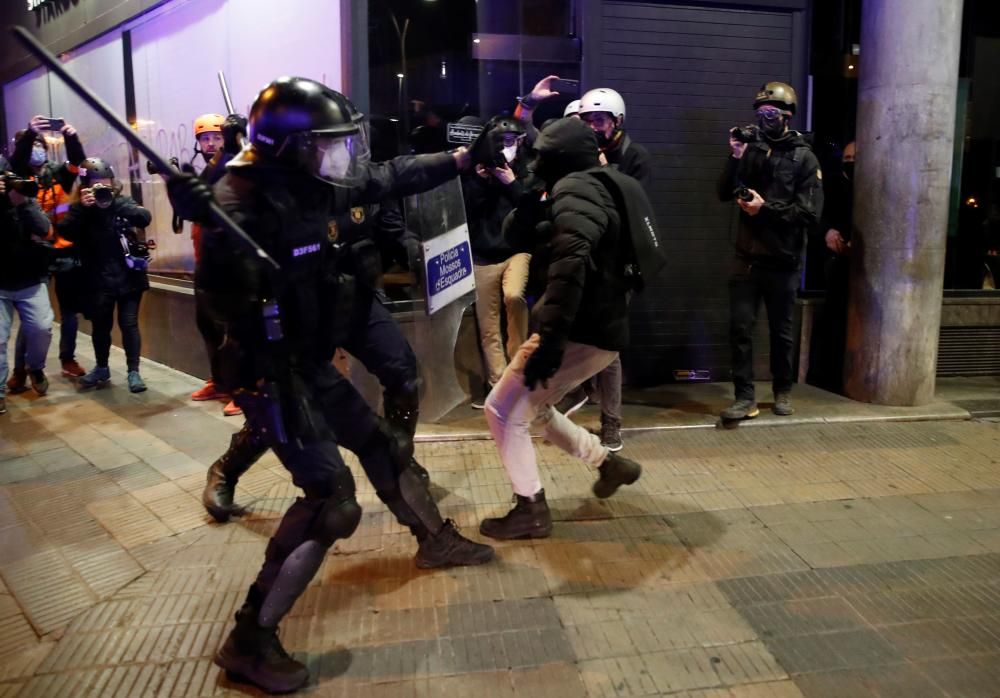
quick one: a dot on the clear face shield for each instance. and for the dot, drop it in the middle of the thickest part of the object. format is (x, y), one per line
(338, 159)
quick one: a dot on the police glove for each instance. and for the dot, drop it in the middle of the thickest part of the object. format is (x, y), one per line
(189, 196)
(543, 363)
(234, 131)
(487, 149)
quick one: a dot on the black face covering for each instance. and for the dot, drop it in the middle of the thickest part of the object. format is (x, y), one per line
(849, 170)
(772, 128)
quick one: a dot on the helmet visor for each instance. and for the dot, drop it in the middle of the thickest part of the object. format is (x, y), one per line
(336, 159)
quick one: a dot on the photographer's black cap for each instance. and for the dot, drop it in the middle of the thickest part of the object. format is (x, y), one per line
(95, 168)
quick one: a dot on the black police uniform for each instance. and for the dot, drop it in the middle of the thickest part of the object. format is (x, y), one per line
(366, 328)
(282, 329)
(769, 247)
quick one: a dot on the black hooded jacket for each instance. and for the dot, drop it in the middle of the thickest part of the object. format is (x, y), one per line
(586, 297)
(786, 173)
(96, 233)
(487, 203)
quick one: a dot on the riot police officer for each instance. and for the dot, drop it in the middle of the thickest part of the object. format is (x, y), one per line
(281, 332)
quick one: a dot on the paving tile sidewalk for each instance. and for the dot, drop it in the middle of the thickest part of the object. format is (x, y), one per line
(821, 559)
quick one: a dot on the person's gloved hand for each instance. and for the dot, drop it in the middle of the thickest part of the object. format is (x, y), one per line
(543, 363)
(189, 196)
(487, 149)
(234, 131)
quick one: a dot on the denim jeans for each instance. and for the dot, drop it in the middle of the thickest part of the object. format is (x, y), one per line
(512, 411)
(33, 307)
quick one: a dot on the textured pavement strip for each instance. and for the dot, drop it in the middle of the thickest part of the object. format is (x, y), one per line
(816, 560)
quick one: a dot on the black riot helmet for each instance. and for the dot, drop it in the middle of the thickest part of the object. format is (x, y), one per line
(778, 94)
(95, 168)
(505, 124)
(303, 124)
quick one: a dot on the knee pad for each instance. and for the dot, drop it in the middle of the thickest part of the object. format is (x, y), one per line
(336, 511)
(336, 520)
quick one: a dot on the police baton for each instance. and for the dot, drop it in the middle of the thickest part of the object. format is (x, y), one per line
(225, 93)
(219, 217)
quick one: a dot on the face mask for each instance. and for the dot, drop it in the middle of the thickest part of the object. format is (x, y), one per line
(510, 153)
(849, 170)
(772, 128)
(38, 157)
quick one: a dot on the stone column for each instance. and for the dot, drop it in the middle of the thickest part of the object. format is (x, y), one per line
(906, 126)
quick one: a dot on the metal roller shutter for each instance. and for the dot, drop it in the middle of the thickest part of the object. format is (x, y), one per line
(688, 74)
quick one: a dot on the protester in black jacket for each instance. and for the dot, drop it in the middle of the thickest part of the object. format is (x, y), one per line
(777, 183)
(579, 326)
(101, 224)
(24, 261)
(32, 157)
(500, 261)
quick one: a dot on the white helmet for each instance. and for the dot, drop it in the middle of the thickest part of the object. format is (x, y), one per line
(603, 99)
(572, 108)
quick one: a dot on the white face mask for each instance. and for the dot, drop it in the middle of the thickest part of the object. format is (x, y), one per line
(510, 153)
(38, 157)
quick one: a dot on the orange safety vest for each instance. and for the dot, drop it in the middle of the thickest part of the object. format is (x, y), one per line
(55, 202)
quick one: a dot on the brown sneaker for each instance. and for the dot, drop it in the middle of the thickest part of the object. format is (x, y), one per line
(18, 381)
(71, 369)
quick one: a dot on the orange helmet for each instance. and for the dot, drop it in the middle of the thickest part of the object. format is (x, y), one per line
(208, 123)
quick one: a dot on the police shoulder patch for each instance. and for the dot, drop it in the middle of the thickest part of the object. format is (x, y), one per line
(331, 231)
(819, 174)
(358, 214)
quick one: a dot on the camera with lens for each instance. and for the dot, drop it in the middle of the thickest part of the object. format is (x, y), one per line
(138, 253)
(25, 187)
(745, 134)
(103, 194)
(743, 194)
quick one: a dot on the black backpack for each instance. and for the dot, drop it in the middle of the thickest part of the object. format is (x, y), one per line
(643, 256)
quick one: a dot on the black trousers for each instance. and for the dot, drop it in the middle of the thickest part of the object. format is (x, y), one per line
(376, 341)
(128, 321)
(750, 285)
(212, 334)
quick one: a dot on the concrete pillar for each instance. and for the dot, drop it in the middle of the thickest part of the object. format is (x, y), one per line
(906, 126)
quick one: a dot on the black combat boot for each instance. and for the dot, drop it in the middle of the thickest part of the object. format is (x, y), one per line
(440, 543)
(615, 471)
(245, 449)
(253, 654)
(530, 518)
(449, 548)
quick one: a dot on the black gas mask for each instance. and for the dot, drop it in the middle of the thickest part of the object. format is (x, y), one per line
(771, 121)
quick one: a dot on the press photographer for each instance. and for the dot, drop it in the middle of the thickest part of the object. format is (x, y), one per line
(24, 261)
(776, 181)
(101, 223)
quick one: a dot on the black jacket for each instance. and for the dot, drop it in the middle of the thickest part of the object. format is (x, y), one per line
(634, 160)
(487, 203)
(786, 173)
(288, 214)
(24, 258)
(96, 233)
(586, 297)
(64, 174)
